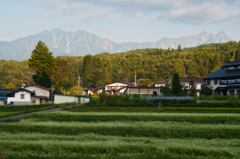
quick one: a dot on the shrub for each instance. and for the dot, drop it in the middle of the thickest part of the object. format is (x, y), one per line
(218, 98)
(134, 100)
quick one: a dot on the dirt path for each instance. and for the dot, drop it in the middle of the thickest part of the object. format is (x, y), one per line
(29, 114)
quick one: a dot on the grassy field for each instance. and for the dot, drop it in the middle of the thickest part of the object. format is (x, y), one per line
(66, 134)
(10, 110)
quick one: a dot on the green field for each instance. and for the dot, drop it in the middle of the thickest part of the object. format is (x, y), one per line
(66, 134)
(11, 110)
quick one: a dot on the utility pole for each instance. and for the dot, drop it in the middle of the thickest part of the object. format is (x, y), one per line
(135, 79)
(52, 90)
(66, 84)
(79, 81)
(117, 84)
(65, 88)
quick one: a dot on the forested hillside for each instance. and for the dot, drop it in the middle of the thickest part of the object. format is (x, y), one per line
(154, 64)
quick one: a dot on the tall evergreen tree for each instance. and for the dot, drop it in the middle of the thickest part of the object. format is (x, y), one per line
(87, 73)
(179, 48)
(176, 86)
(192, 89)
(42, 61)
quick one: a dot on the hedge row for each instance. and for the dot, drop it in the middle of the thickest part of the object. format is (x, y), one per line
(218, 98)
(204, 104)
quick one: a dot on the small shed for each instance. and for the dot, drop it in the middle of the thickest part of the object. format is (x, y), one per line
(78, 99)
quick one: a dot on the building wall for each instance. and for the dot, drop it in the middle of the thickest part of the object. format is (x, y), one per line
(35, 101)
(38, 91)
(2, 102)
(84, 100)
(159, 85)
(115, 85)
(64, 99)
(18, 101)
(88, 92)
(142, 90)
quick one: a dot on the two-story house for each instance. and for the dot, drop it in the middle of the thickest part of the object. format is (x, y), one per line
(29, 94)
(225, 81)
(185, 83)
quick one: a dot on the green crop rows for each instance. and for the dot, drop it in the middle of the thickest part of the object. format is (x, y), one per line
(66, 134)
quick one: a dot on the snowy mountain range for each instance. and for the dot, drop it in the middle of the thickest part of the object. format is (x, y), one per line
(80, 43)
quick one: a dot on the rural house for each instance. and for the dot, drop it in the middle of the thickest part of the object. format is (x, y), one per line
(226, 80)
(185, 83)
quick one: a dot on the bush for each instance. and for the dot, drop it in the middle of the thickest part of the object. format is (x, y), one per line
(204, 105)
(218, 98)
(134, 100)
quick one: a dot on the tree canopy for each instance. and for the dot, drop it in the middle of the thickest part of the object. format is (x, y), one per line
(42, 60)
(154, 64)
(176, 86)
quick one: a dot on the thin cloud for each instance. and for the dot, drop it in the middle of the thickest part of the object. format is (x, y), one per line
(206, 13)
(181, 11)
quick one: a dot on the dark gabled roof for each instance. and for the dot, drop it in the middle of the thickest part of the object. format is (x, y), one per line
(189, 79)
(160, 82)
(3, 92)
(89, 89)
(101, 87)
(232, 63)
(222, 73)
(20, 89)
(128, 83)
(31, 84)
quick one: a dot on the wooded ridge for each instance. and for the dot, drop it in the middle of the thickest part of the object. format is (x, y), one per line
(154, 64)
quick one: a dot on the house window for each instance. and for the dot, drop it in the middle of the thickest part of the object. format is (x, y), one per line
(231, 93)
(208, 82)
(22, 96)
(238, 93)
(231, 81)
(215, 81)
(224, 82)
(238, 81)
(34, 101)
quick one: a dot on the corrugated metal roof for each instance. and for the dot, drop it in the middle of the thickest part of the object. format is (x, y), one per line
(3, 92)
(101, 87)
(160, 82)
(189, 79)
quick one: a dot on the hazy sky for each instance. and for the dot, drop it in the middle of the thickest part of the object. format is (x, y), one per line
(120, 20)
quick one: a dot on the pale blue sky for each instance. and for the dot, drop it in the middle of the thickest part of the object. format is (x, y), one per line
(120, 20)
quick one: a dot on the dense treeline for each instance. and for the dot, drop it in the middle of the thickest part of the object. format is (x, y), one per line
(154, 64)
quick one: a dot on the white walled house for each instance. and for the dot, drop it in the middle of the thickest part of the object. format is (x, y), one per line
(89, 91)
(185, 82)
(142, 90)
(159, 84)
(20, 97)
(41, 94)
(38, 90)
(225, 81)
(118, 87)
